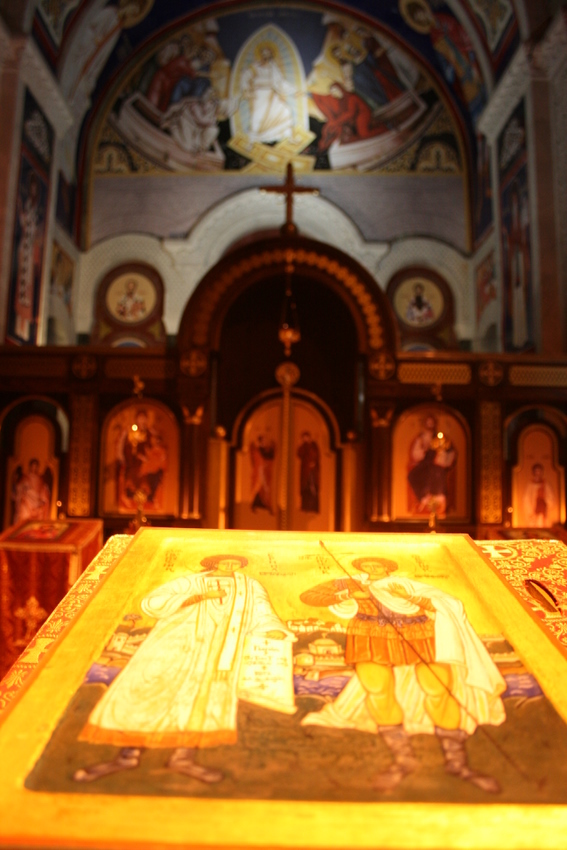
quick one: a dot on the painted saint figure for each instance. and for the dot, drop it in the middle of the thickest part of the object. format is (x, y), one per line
(419, 310)
(262, 454)
(518, 269)
(141, 461)
(432, 457)
(454, 49)
(181, 688)
(31, 492)
(132, 306)
(419, 669)
(267, 91)
(539, 500)
(309, 476)
(85, 58)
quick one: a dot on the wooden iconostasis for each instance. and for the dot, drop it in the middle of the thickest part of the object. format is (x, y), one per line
(373, 420)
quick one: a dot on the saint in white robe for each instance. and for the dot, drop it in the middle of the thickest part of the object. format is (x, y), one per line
(271, 117)
(181, 688)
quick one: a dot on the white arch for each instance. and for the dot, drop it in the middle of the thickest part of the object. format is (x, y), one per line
(182, 263)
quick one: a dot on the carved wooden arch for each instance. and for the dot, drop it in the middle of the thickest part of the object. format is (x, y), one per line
(201, 323)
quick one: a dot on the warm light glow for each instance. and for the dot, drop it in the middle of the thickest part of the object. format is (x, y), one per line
(134, 427)
(440, 435)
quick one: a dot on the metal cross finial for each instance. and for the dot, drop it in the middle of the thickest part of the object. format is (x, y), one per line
(288, 189)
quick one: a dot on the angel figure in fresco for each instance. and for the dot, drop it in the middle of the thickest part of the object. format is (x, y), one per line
(31, 492)
(539, 500)
(375, 77)
(347, 116)
(266, 89)
(181, 688)
(419, 669)
(262, 454)
(87, 55)
(432, 457)
(454, 49)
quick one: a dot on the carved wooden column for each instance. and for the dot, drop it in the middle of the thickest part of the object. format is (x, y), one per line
(192, 462)
(217, 479)
(490, 478)
(287, 375)
(196, 477)
(380, 463)
(82, 456)
(350, 484)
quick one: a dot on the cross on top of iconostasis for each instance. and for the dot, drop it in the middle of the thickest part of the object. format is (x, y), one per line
(289, 189)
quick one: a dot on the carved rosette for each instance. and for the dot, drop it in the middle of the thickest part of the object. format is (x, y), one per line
(194, 363)
(84, 366)
(382, 366)
(490, 373)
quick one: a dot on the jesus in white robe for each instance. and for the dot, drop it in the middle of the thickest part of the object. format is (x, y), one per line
(267, 90)
(181, 689)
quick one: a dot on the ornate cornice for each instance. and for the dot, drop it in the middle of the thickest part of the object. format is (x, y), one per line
(509, 91)
(39, 78)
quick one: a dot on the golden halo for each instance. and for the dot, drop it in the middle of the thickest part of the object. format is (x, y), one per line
(131, 20)
(408, 15)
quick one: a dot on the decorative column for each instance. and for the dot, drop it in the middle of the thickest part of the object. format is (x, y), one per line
(217, 479)
(82, 456)
(287, 375)
(192, 463)
(490, 483)
(349, 489)
(22, 67)
(380, 462)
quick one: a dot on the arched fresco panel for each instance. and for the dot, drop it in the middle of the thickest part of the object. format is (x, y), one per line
(139, 466)
(320, 89)
(430, 471)
(538, 481)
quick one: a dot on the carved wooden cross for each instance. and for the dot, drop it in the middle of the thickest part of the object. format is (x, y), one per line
(288, 189)
(32, 615)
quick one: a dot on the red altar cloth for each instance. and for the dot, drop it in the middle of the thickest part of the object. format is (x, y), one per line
(39, 562)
